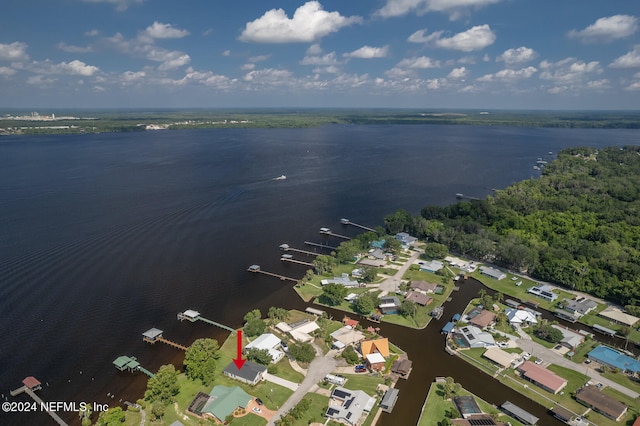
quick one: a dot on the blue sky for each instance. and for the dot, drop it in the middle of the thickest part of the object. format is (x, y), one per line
(487, 54)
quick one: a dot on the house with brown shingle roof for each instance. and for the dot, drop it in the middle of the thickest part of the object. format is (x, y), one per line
(419, 298)
(483, 319)
(604, 404)
(423, 286)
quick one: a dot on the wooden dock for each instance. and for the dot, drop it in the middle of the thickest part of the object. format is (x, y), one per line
(170, 343)
(154, 335)
(193, 316)
(292, 260)
(256, 270)
(348, 222)
(286, 247)
(40, 402)
(327, 231)
(320, 245)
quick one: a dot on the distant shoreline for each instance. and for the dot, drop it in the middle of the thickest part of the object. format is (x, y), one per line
(19, 122)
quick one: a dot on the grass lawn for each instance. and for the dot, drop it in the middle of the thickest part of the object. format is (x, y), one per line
(634, 407)
(624, 380)
(316, 411)
(580, 353)
(478, 360)
(575, 379)
(307, 290)
(364, 382)
(285, 371)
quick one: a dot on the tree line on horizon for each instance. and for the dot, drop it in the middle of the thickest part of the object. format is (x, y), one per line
(577, 225)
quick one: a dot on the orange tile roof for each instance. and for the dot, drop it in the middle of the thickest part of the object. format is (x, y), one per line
(378, 345)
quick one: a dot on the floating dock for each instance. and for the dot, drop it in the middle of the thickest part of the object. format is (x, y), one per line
(193, 316)
(30, 385)
(286, 247)
(320, 245)
(129, 363)
(327, 231)
(289, 258)
(154, 335)
(348, 222)
(256, 270)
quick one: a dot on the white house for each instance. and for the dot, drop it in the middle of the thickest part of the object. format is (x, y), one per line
(520, 317)
(270, 342)
(476, 338)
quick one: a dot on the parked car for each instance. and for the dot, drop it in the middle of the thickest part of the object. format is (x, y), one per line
(538, 361)
(361, 369)
(259, 401)
(257, 410)
(526, 355)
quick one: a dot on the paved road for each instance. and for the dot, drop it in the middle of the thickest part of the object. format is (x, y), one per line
(319, 367)
(391, 284)
(553, 357)
(279, 381)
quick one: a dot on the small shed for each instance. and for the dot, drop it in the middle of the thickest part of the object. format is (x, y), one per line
(32, 383)
(389, 400)
(448, 328)
(151, 335)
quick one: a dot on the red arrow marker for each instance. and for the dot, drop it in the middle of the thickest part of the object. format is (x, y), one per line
(239, 362)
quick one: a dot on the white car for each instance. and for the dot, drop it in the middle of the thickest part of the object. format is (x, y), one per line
(538, 361)
(526, 355)
(257, 410)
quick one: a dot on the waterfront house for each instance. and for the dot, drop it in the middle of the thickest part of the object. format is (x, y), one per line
(375, 361)
(476, 338)
(347, 406)
(483, 319)
(402, 367)
(518, 413)
(343, 280)
(300, 331)
(380, 346)
(250, 373)
(418, 298)
(223, 401)
(423, 287)
(619, 317)
(570, 339)
(431, 266)
(377, 254)
(389, 305)
(520, 317)
(500, 357)
(494, 273)
(579, 306)
(543, 291)
(542, 377)
(346, 336)
(610, 357)
(269, 342)
(604, 404)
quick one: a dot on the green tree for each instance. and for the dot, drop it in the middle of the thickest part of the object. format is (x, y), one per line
(323, 264)
(255, 327)
(435, 251)
(261, 356)
(200, 360)
(112, 417)
(546, 332)
(450, 388)
(251, 315)
(370, 275)
(350, 355)
(85, 415)
(277, 314)
(302, 352)
(333, 294)
(399, 221)
(365, 303)
(164, 386)
(408, 309)
(157, 410)
(392, 245)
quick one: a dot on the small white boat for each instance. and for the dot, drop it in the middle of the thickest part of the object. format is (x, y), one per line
(282, 177)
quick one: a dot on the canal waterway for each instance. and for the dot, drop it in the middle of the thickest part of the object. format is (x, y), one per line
(104, 236)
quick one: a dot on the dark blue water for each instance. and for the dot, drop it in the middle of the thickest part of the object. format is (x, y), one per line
(104, 236)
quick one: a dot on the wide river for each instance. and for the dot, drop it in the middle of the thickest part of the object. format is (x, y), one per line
(103, 236)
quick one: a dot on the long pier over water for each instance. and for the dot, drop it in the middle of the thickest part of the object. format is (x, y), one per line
(31, 384)
(256, 270)
(348, 222)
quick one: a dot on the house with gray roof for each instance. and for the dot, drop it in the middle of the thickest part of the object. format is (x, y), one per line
(342, 280)
(579, 306)
(494, 273)
(250, 373)
(347, 406)
(405, 239)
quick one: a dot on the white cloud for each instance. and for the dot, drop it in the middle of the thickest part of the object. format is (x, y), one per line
(474, 38)
(599, 84)
(144, 46)
(309, 23)
(569, 71)
(314, 50)
(259, 58)
(607, 29)
(226, 53)
(74, 67)
(327, 70)
(269, 77)
(458, 73)
(368, 52)
(403, 7)
(161, 31)
(516, 56)
(39, 80)
(633, 86)
(509, 75)
(6, 71)
(92, 33)
(421, 62)
(16, 51)
(169, 59)
(73, 49)
(629, 60)
(328, 59)
(247, 67)
(121, 5)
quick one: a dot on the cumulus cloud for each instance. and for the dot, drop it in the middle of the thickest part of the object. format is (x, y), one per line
(474, 38)
(328, 59)
(569, 71)
(159, 30)
(368, 52)
(509, 75)
(607, 29)
(74, 67)
(16, 51)
(121, 5)
(309, 23)
(144, 46)
(629, 60)
(458, 73)
(402, 7)
(422, 62)
(259, 58)
(516, 56)
(248, 67)
(6, 71)
(39, 80)
(314, 50)
(73, 49)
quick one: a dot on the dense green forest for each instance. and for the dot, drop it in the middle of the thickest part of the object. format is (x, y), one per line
(577, 225)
